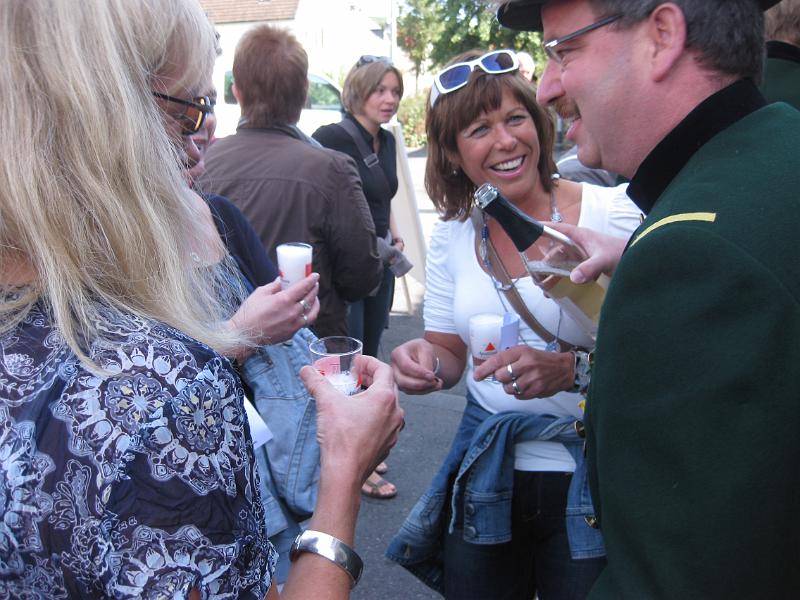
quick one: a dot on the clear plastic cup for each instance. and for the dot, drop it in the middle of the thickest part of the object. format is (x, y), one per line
(335, 358)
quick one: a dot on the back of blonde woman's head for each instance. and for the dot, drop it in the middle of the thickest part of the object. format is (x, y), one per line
(91, 191)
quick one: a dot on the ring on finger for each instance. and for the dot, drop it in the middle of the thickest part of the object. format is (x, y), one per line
(305, 305)
(510, 372)
(305, 319)
(516, 389)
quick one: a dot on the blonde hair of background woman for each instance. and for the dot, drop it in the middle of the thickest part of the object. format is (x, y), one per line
(91, 191)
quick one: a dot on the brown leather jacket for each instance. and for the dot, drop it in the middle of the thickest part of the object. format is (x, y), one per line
(292, 191)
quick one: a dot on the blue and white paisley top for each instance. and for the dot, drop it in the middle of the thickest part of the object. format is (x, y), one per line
(140, 484)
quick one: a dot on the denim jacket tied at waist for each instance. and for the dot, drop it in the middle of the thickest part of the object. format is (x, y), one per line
(482, 458)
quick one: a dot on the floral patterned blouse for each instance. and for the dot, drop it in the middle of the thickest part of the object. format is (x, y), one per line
(137, 484)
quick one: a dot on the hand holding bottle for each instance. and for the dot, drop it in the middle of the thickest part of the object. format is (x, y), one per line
(604, 252)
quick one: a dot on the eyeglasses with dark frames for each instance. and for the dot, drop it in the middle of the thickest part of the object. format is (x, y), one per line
(195, 114)
(551, 47)
(371, 58)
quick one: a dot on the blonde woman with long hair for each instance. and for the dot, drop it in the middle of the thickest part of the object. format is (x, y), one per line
(125, 454)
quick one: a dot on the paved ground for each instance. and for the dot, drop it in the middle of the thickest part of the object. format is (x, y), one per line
(431, 422)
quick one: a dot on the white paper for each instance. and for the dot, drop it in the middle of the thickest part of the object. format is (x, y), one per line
(509, 333)
(259, 431)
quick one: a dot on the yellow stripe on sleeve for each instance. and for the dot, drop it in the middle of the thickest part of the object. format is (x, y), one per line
(698, 216)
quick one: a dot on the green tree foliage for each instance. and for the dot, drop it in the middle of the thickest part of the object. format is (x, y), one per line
(434, 31)
(412, 117)
(431, 32)
(417, 28)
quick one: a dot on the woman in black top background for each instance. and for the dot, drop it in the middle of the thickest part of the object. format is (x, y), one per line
(371, 94)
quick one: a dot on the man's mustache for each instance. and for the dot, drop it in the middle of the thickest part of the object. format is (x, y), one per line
(565, 108)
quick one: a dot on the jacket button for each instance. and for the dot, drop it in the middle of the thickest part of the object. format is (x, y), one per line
(470, 531)
(469, 509)
(591, 521)
(580, 429)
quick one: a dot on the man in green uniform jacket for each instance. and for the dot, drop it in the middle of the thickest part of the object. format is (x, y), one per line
(693, 413)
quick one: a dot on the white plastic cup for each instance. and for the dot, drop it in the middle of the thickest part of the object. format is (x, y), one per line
(294, 262)
(484, 336)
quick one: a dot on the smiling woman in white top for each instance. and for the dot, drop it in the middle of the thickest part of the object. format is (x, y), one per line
(484, 125)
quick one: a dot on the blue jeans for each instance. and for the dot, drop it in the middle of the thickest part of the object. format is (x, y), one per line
(537, 559)
(367, 318)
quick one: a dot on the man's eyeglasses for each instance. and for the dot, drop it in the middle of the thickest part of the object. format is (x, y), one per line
(456, 76)
(195, 113)
(371, 58)
(551, 47)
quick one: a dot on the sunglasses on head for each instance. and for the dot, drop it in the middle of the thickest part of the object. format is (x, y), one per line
(194, 114)
(456, 76)
(371, 58)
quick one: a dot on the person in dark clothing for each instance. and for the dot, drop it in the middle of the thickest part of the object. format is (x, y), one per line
(241, 241)
(692, 412)
(371, 95)
(290, 190)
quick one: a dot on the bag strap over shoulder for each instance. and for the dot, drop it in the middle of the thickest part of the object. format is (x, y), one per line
(368, 156)
(497, 270)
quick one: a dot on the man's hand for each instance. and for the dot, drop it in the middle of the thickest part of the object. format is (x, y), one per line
(604, 251)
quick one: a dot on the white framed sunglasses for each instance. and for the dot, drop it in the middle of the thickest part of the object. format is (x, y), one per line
(456, 76)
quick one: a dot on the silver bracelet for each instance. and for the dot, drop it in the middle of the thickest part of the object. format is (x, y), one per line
(327, 546)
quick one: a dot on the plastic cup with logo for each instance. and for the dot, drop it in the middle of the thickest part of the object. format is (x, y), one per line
(294, 262)
(485, 330)
(334, 357)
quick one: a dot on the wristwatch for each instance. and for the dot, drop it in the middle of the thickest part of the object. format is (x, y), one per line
(583, 371)
(327, 546)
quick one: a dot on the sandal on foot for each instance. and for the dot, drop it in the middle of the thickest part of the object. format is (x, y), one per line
(381, 468)
(373, 488)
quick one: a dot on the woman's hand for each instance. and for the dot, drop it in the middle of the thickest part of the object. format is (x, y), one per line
(415, 365)
(355, 433)
(271, 315)
(536, 373)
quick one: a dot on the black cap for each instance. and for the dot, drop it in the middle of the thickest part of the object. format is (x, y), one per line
(526, 15)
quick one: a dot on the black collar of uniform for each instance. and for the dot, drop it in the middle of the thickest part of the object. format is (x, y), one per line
(367, 135)
(783, 51)
(714, 114)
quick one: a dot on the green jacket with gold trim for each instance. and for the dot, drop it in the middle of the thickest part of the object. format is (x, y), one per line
(693, 416)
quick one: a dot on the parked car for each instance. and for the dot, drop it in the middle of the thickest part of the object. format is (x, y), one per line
(323, 106)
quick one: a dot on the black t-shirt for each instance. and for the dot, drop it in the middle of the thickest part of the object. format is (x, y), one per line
(336, 138)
